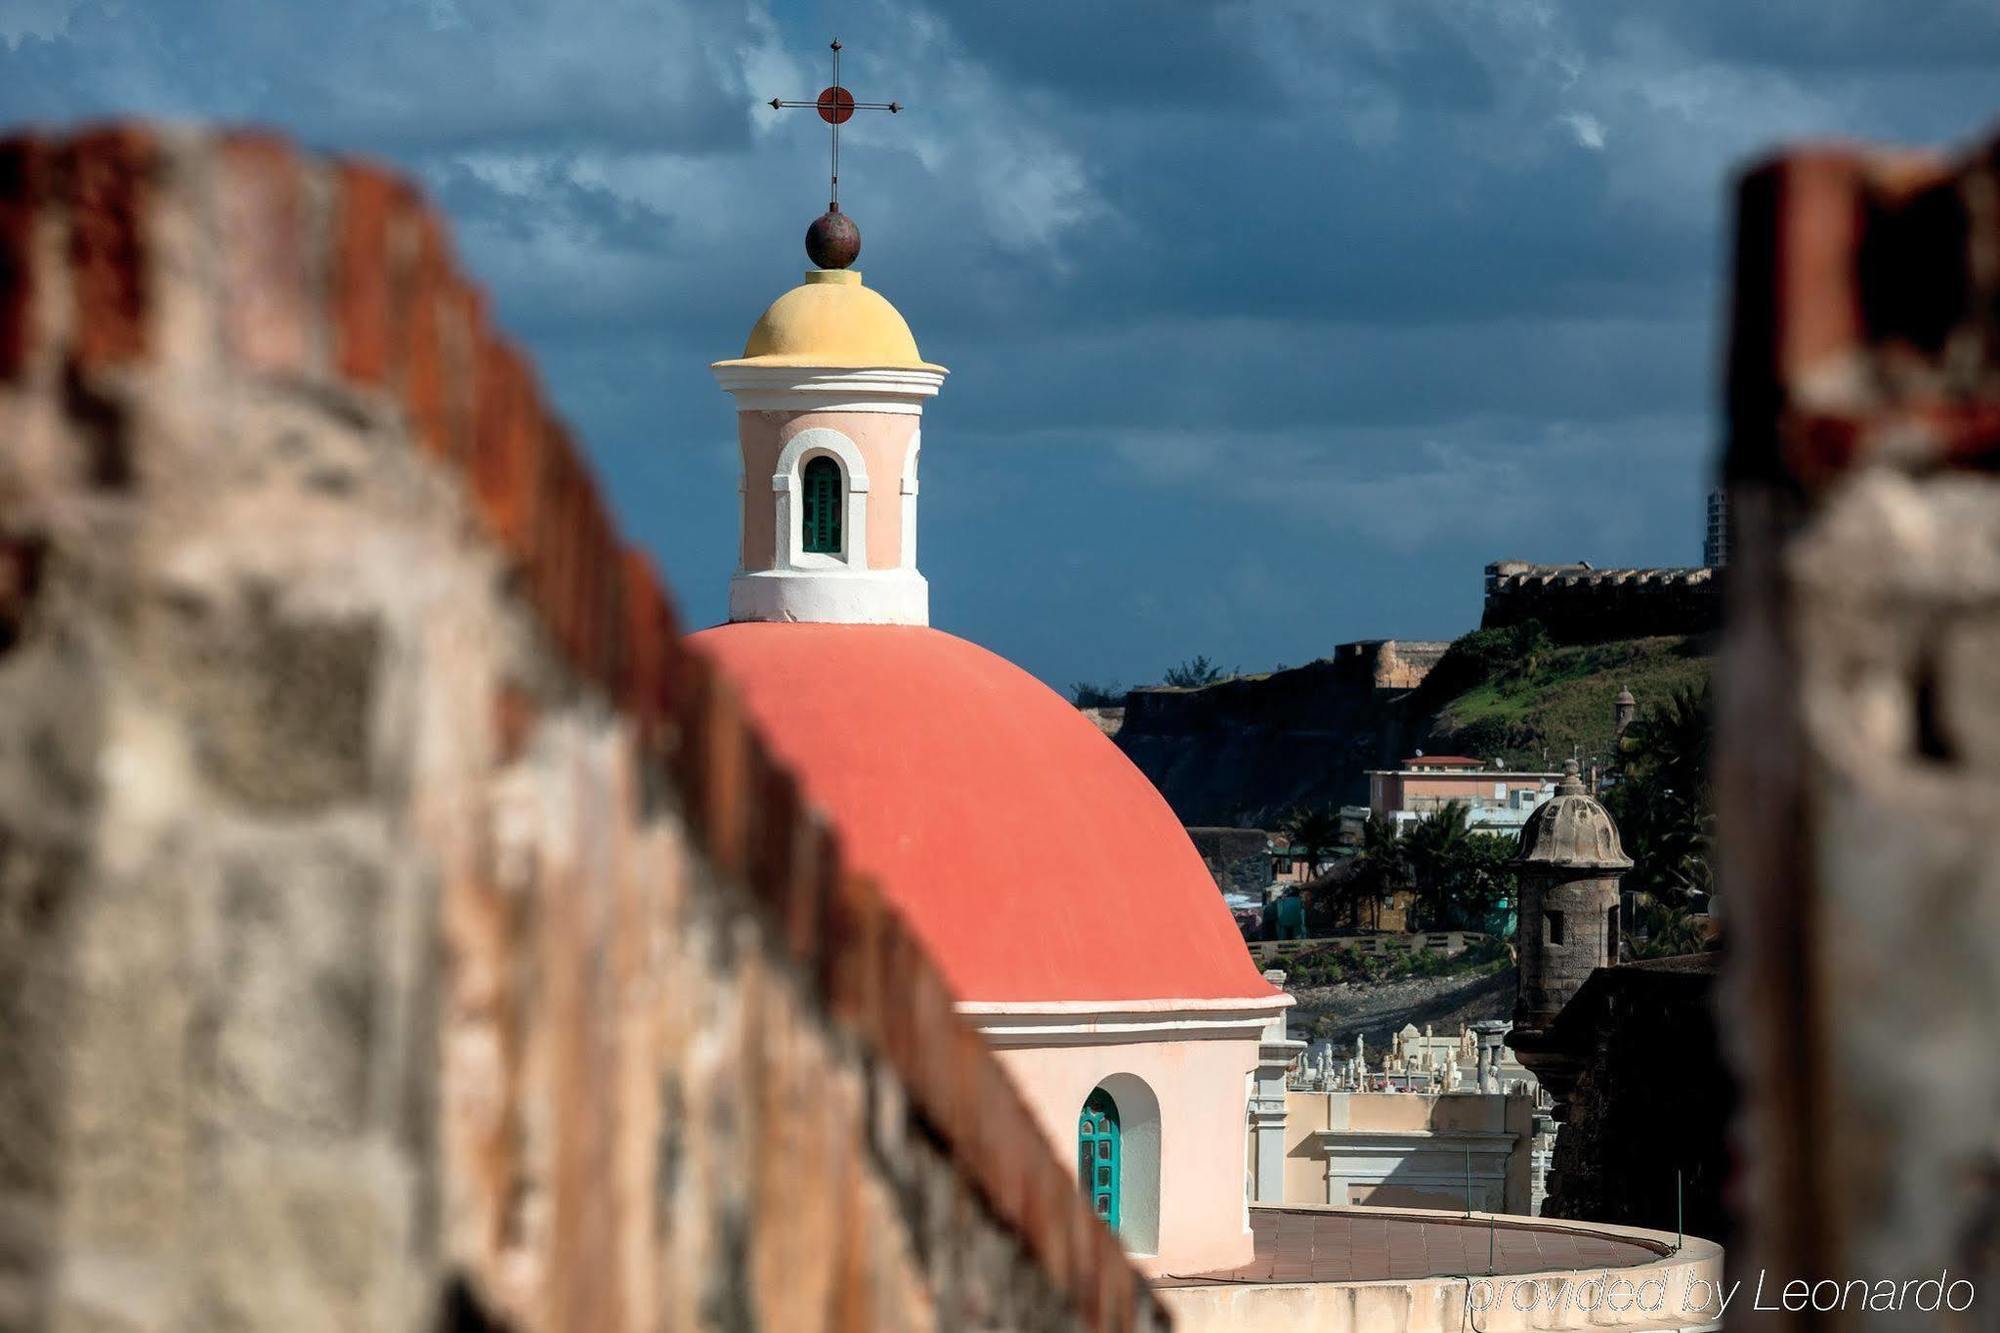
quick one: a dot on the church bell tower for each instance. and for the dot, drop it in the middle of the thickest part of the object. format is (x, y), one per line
(830, 394)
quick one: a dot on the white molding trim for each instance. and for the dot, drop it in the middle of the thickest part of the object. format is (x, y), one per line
(1265, 1004)
(1105, 1022)
(836, 596)
(907, 555)
(785, 483)
(767, 388)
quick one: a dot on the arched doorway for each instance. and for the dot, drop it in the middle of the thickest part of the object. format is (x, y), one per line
(1118, 1159)
(1098, 1160)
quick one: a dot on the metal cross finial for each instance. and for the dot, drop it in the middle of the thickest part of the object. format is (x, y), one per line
(836, 106)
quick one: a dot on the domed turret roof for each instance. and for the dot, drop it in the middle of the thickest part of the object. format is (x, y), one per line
(832, 320)
(1035, 862)
(1571, 830)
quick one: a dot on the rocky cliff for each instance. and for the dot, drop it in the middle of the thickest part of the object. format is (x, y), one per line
(1243, 751)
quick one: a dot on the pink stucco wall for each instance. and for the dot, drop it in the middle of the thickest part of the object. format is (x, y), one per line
(1204, 1138)
(883, 439)
(1395, 791)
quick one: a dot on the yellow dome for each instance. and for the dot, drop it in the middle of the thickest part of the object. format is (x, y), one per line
(831, 320)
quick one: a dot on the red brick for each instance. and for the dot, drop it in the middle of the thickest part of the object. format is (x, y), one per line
(1086, 1278)
(1819, 244)
(366, 198)
(423, 379)
(1115, 1282)
(648, 627)
(556, 561)
(507, 449)
(269, 310)
(819, 872)
(933, 1039)
(24, 174)
(1968, 434)
(991, 1135)
(896, 1006)
(777, 830)
(604, 639)
(1014, 1137)
(1817, 447)
(1796, 304)
(462, 329)
(543, 556)
(850, 965)
(108, 173)
(976, 1133)
(1051, 1220)
(690, 722)
(725, 799)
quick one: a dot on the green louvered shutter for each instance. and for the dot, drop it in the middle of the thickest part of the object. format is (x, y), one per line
(1097, 1154)
(822, 506)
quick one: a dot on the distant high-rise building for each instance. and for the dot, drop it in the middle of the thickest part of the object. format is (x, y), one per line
(1715, 542)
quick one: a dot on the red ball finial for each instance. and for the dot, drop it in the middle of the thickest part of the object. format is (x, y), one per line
(833, 241)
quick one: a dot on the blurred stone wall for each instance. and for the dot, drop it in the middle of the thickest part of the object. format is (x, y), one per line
(399, 928)
(1859, 696)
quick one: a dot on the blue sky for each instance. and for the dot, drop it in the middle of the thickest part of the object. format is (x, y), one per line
(1270, 323)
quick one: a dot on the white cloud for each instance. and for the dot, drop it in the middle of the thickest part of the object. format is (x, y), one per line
(1589, 131)
(33, 18)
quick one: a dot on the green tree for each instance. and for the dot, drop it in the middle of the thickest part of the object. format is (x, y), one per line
(1437, 848)
(1670, 933)
(1380, 869)
(1086, 694)
(1482, 879)
(1663, 801)
(1312, 832)
(1194, 673)
(1460, 873)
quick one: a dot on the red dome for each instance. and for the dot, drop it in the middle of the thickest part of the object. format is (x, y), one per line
(1033, 859)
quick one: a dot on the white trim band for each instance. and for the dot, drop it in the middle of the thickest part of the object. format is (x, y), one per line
(1099, 1022)
(837, 596)
(828, 389)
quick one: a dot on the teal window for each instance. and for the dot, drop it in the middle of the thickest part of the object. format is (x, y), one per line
(822, 506)
(1097, 1161)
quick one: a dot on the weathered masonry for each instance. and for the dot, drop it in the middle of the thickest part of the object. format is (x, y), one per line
(399, 927)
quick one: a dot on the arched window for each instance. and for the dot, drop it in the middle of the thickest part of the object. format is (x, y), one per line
(820, 527)
(1097, 1159)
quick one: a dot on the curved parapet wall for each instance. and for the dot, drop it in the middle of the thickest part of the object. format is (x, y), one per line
(1646, 1280)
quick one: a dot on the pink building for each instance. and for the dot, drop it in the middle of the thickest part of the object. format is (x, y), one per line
(1496, 798)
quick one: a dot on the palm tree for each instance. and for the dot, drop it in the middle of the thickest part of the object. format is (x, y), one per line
(1662, 801)
(1670, 933)
(1381, 867)
(1313, 832)
(1437, 851)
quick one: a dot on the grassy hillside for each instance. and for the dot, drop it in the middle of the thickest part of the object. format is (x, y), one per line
(1529, 704)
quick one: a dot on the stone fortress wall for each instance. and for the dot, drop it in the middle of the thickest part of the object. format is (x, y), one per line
(1393, 664)
(400, 928)
(1579, 604)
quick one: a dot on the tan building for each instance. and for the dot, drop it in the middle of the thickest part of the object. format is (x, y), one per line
(1407, 1150)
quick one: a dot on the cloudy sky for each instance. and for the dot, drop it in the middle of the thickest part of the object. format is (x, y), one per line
(1270, 323)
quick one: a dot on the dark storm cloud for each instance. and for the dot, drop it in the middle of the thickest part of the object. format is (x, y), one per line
(1922, 35)
(398, 75)
(1270, 322)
